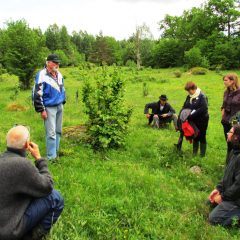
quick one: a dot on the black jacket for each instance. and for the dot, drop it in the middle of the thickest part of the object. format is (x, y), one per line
(229, 187)
(200, 116)
(155, 106)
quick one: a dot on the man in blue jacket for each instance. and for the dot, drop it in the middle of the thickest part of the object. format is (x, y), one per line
(48, 98)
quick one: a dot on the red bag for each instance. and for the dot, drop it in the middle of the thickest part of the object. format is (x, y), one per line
(187, 129)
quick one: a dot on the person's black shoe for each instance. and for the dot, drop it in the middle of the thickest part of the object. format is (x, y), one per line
(39, 233)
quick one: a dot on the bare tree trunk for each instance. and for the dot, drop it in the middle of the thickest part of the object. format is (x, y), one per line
(138, 54)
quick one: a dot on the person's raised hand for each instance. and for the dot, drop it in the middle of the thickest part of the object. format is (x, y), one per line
(34, 150)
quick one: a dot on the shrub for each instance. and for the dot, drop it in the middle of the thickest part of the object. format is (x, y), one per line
(194, 58)
(177, 74)
(198, 71)
(6, 77)
(131, 64)
(108, 117)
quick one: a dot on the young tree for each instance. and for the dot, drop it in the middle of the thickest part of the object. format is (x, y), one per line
(108, 115)
(21, 50)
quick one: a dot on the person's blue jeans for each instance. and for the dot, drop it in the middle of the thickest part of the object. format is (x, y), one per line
(53, 128)
(44, 211)
(224, 213)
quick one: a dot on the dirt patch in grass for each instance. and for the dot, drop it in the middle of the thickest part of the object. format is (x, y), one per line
(77, 132)
(16, 107)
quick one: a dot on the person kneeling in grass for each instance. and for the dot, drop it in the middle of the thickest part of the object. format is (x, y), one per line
(29, 205)
(162, 113)
(226, 196)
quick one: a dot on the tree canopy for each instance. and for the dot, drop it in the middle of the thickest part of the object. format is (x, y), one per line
(208, 35)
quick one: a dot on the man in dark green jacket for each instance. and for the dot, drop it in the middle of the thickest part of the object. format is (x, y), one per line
(28, 204)
(226, 196)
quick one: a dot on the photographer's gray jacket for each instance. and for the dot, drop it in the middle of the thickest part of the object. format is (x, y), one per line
(20, 183)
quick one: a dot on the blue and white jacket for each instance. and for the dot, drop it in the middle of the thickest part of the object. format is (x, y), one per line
(48, 92)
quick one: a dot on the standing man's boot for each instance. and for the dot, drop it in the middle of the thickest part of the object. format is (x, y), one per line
(203, 148)
(195, 147)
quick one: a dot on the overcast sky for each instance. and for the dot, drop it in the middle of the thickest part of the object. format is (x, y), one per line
(117, 18)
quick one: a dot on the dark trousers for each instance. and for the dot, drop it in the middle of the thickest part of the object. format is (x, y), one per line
(161, 119)
(225, 213)
(201, 136)
(226, 129)
(43, 211)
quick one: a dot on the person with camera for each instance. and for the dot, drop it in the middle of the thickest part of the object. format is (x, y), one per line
(162, 113)
(29, 205)
(231, 103)
(226, 196)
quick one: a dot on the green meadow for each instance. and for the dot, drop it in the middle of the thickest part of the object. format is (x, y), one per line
(144, 190)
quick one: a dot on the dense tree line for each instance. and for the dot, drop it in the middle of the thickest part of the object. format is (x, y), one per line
(207, 36)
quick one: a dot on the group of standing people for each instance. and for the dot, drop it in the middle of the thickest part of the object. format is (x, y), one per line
(225, 198)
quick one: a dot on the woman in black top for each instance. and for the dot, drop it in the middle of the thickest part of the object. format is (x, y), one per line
(197, 102)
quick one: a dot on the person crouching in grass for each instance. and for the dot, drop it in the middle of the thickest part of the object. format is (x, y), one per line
(162, 113)
(226, 196)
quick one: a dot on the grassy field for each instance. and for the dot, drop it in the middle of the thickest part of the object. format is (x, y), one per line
(143, 191)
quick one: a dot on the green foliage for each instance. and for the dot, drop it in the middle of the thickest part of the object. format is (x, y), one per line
(145, 89)
(21, 51)
(108, 117)
(106, 50)
(64, 59)
(84, 43)
(131, 64)
(198, 71)
(168, 53)
(210, 28)
(194, 58)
